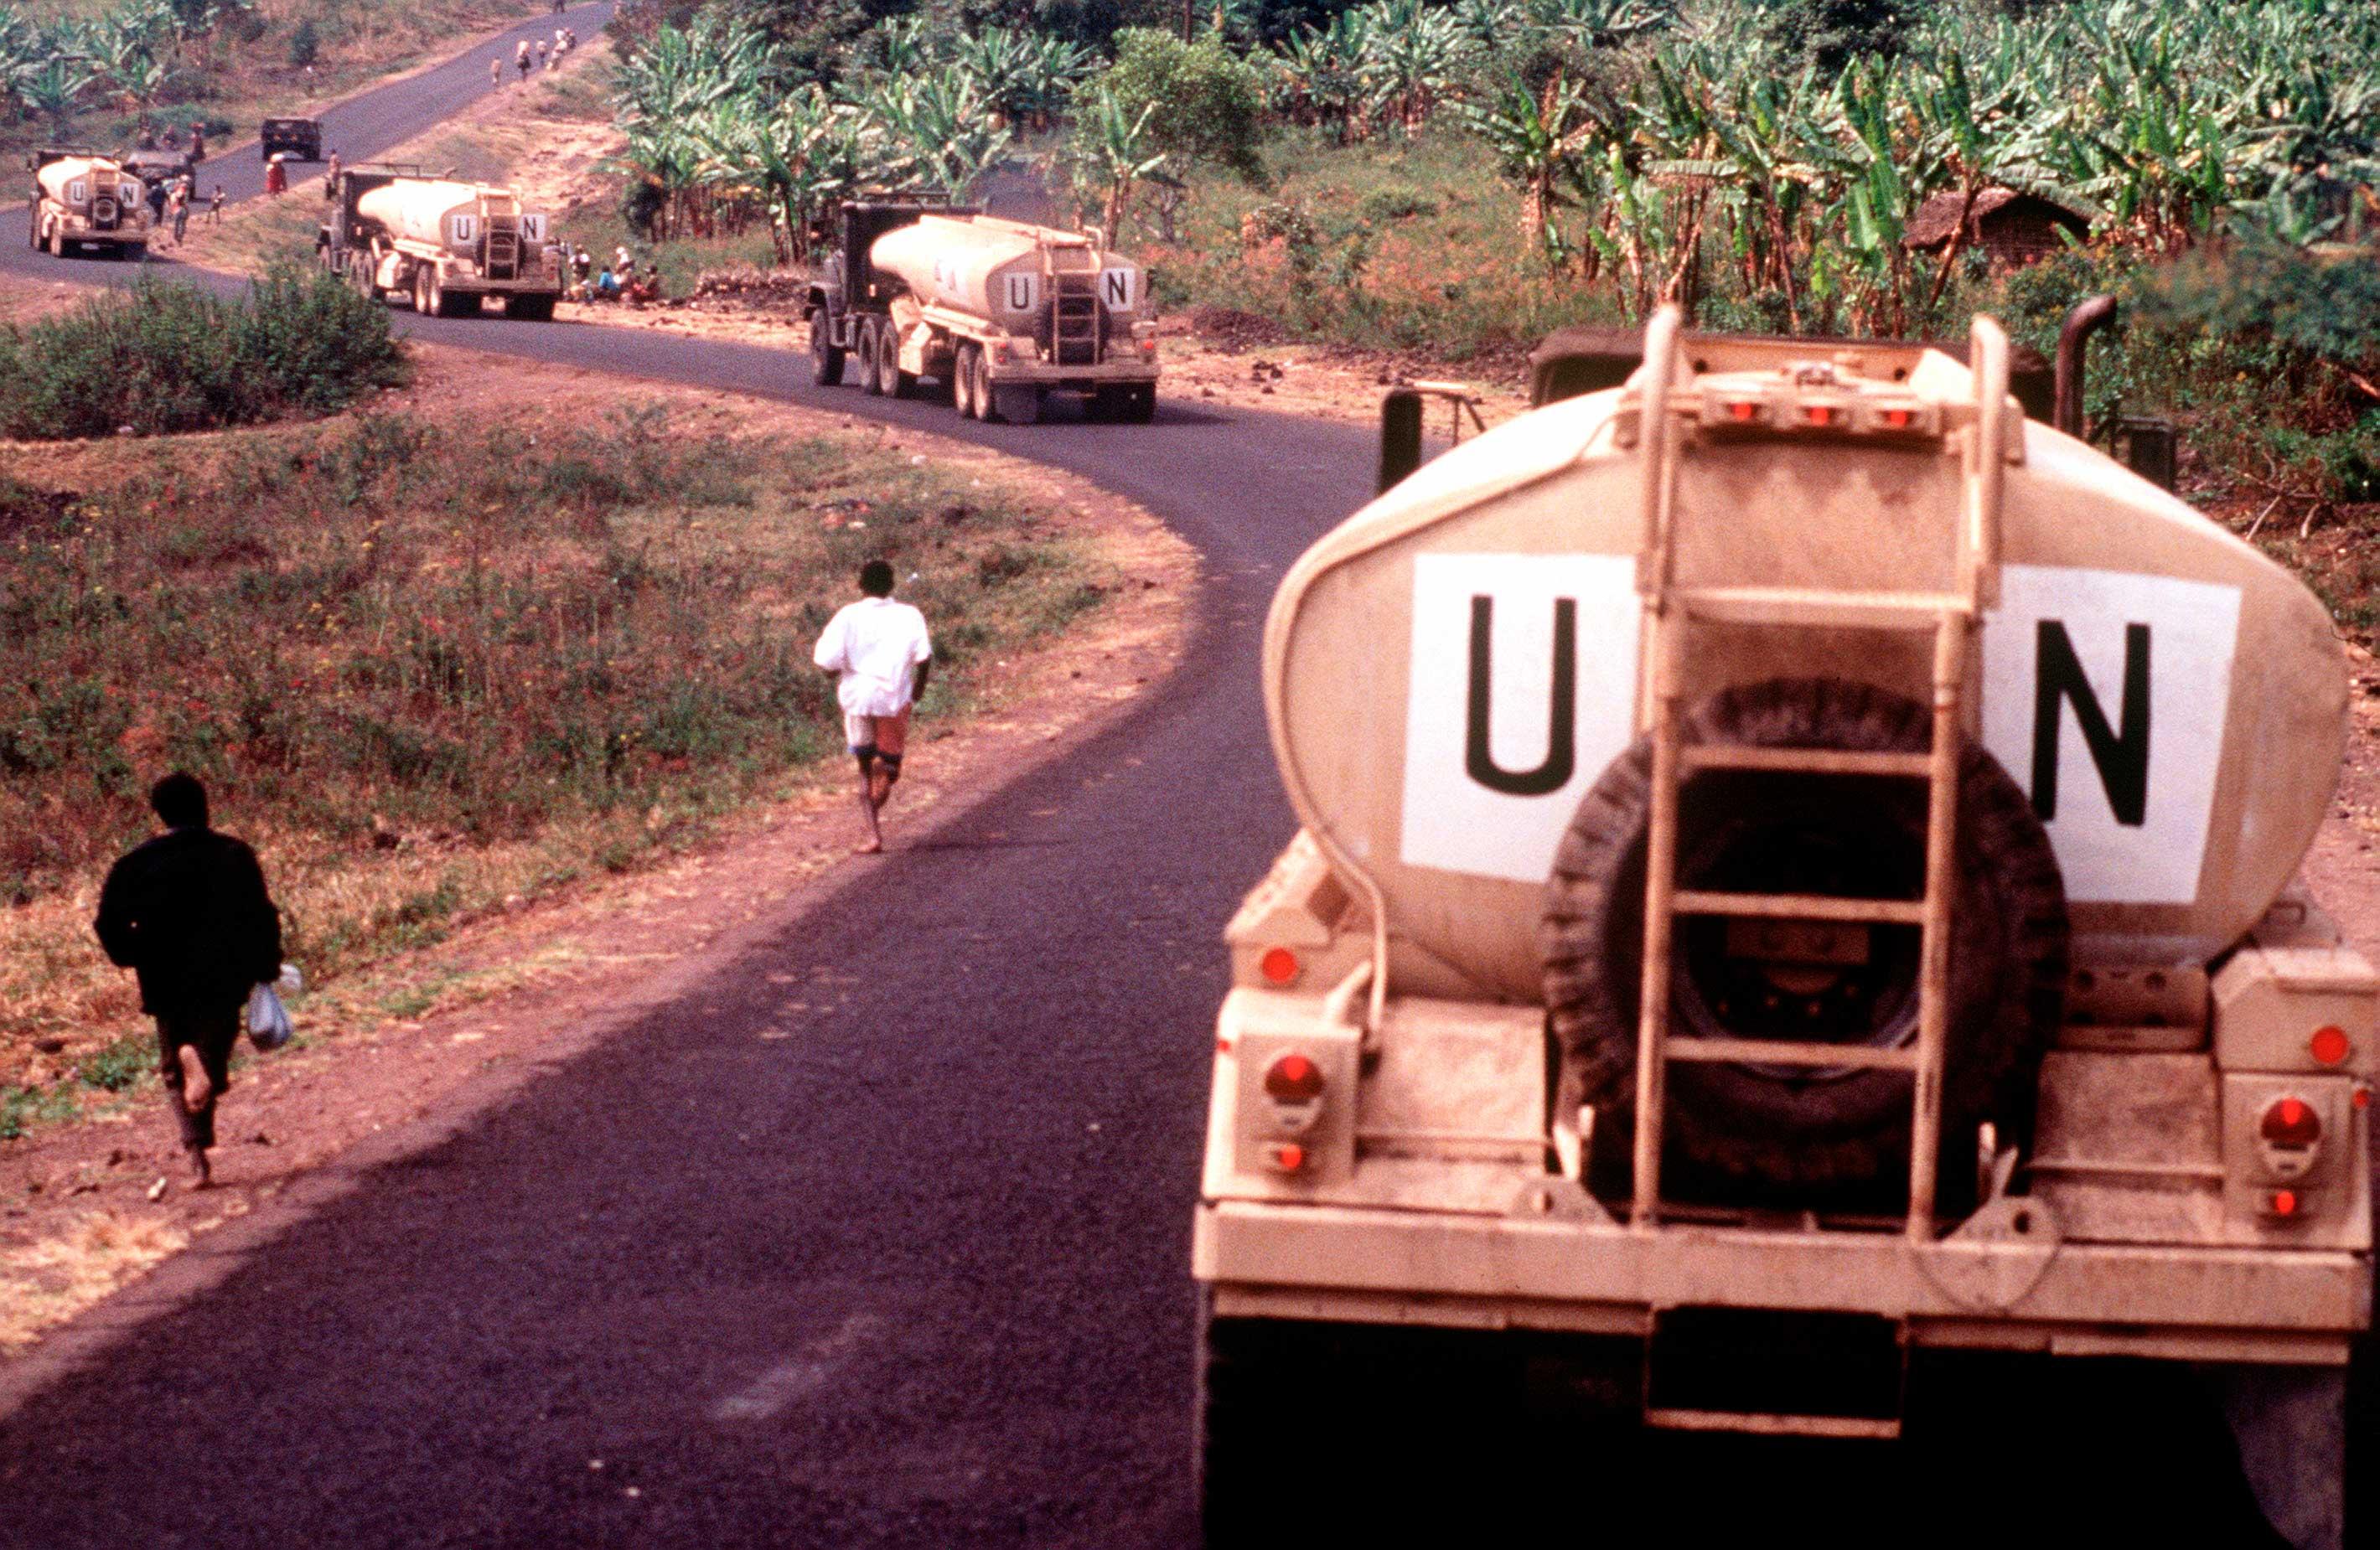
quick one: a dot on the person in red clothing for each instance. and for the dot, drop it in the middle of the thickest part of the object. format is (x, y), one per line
(276, 176)
(187, 911)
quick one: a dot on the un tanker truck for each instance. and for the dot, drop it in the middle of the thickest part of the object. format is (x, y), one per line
(1796, 896)
(83, 200)
(447, 246)
(1003, 312)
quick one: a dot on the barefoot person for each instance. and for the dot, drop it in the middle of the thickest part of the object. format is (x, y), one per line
(878, 651)
(187, 911)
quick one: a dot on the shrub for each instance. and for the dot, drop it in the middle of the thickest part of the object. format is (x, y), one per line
(1208, 105)
(164, 357)
(305, 44)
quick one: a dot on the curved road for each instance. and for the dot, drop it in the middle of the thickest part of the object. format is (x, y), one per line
(917, 1276)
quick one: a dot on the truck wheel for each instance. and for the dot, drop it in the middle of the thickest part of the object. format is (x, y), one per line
(1796, 1128)
(871, 380)
(421, 290)
(890, 380)
(964, 379)
(985, 409)
(452, 304)
(826, 356)
(58, 240)
(529, 309)
(359, 276)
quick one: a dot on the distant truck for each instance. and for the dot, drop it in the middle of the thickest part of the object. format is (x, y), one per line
(447, 245)
(297, 139)
(82, 199)
(1796, 895)
(1003, 312)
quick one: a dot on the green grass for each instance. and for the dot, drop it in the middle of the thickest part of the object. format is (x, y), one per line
(1393, 244)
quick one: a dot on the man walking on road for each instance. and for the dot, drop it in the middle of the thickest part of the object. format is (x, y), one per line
(880, 652)
(187, 913)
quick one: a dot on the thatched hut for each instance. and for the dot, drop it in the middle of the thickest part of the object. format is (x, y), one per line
(2013, 227)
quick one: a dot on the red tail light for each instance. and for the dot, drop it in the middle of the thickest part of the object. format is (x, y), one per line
(1294, 1079)
(2291, 1122)
(2329, 1045)
(1279, 965)
(2282, 1202)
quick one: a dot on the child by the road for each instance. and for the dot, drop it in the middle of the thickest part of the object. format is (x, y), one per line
(881, 655)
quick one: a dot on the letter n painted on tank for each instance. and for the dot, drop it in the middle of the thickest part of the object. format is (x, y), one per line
(2121, 757)
(1116, 286)
(1561, 730)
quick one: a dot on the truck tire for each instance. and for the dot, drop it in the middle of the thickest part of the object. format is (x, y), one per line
(826, 356)
(452, 304)
(1798, 1130)
(58, 240)
(421, 289)
(529, 309)
(862, 344)
(890, 380)
(964, 380)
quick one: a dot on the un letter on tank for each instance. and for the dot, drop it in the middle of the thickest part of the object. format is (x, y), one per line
(2105, 695)
(1522, 690)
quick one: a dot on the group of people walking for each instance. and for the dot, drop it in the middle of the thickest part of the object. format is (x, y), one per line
(545, 54)
(171, 201)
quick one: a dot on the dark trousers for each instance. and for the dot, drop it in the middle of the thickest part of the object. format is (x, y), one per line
(211, 1034)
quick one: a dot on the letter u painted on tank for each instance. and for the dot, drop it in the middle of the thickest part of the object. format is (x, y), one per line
(1520, 691)
(1019, 292)
(1561, 708)
(2107, 693)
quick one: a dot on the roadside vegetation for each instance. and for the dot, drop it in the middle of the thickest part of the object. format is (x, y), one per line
(435, 668)
(93, 71)
(164, 357)
(1450, 180)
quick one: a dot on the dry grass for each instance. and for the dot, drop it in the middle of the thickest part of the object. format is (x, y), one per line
(429, 695)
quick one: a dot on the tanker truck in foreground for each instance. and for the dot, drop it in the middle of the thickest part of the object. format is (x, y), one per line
(1796, 898)
(82, 199)
(1003, 312)
(447, 245)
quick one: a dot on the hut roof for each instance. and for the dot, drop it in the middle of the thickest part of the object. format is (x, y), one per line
(1939, 217)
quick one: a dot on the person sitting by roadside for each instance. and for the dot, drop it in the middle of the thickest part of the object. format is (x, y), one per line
(582, 265)
(646, 289)
(607, 286)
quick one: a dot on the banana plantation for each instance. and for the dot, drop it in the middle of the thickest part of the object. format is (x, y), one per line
(1660, 147)
(132, 54)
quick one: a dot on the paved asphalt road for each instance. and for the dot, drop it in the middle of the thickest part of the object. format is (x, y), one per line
(914, 1276)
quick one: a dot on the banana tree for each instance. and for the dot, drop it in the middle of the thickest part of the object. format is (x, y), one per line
(1537, 136)
(1111, 156)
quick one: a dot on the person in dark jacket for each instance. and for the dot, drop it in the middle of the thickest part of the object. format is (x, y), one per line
(187, 913)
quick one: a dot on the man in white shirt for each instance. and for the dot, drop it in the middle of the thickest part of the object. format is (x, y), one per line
(881, 655)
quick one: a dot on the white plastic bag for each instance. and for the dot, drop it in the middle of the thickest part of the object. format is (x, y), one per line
(268, 1020)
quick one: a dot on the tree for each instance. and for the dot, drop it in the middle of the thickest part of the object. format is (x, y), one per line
(1111, 155)
(305, 44)
(1204, 103)
(1537, 137)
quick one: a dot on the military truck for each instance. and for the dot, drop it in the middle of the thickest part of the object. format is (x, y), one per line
(1002, 312)
(396, 230)
(295, 139)
(1796, 890)
(82, 199)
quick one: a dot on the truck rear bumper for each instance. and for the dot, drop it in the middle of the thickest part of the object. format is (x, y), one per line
(1598, 1276)
(1077, 379)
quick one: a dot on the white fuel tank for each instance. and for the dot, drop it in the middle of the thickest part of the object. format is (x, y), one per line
(75, 181)
(993, 269)
(1449, 672)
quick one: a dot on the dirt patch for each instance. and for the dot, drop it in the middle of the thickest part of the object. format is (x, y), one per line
(77, 1213)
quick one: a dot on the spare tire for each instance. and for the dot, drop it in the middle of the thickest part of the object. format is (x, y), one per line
(1778, 1130)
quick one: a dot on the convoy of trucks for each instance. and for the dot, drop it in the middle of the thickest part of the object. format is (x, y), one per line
(1003, 312)
(447, 246)
(82, 199)
(1796, 873)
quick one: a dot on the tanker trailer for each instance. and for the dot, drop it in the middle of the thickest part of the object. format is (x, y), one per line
(1003, 312)
(84, 200)
(1795, 896)
(446, 245)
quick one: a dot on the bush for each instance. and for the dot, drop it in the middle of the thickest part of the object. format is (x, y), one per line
(164, 358)
(305, 44)
(1208, 105)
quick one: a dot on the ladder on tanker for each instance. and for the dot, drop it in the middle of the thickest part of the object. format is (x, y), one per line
(1670, 612)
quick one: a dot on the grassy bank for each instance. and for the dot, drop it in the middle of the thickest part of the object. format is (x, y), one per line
(164, 358)
(432, 670)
